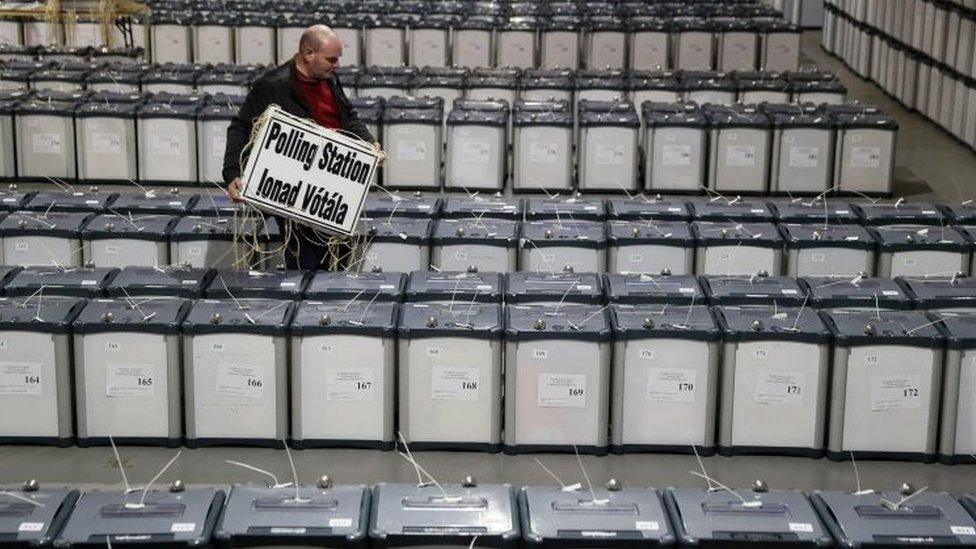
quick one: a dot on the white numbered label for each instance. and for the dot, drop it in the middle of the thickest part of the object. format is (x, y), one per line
(804, 157)
(963, 530)
(671, 384)
(740, 155)
(130, 380)
(21, 246)
(106, 143)
(411, 151)
(543, 152)
(165, 145)
(47, 143)
(349, 384)
(782, 388)
(801, 527)
(609, 154)
(20, 378)
(454, 383)
(475, 152)
(31, 527)
(890, 393)
(562, 391)
(647, 525)
(240, 380)
(183, 527)
(865, 157)
(540, 354)
(340, 522)
(676, 155)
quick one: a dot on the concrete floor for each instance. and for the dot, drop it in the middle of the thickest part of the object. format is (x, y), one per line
(930, 166)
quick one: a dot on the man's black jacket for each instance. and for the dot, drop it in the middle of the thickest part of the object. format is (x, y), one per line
(280, 87)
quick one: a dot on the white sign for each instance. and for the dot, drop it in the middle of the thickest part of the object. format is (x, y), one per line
(46, 143)
(130, 380)
(346, 384)
(782, 388)
(671, 384)
(240, 380)
(676, 155)
(542, 152)
(865, 157)
(562, 391)
(609, 154)
(454, 383)
(106, 143)
(20, 378)
(740, 155)
(889, 393)
(804, 157)
(313, 175)
(162, 144)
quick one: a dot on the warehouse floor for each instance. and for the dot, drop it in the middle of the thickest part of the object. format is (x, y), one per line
(930, 166)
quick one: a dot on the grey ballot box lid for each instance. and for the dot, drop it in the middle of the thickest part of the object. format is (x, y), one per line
(960, 329)
(275, 284)
(736, 210)
(402, 230)
(407, 514)
(56, 224)
(575, 233)
(173, 203)
(366, 286)
(814, 211)
(663, 209)
(153, 316)
(381, 205)
(864, 520)
(573, 207)
(154, 227)
(744, 290)
(728, 233)
(526, 287)
(630, 517)
(771, 323)
(483, 207)
(855, 291)
(901, 238)
(307, 515)
(930, 292)
(45, 511)
(458, 287)
(52, 314)
(663, 321)
(638, 288)
(173, 280)
(867, 327)
(57, 201)
(915, 213)
(667, 233)
(472, 320)
(173, 519)
(813, 235)
(722, 519)
(494, 232)
(572, 321)
(248, 316)
(343, 317)
(49, 281)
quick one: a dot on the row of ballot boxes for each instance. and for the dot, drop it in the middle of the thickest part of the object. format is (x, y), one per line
(458, 370)
(726, 38)
(469, 514)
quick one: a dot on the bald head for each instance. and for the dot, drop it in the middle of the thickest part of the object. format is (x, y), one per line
(316, 37)
(319, 51)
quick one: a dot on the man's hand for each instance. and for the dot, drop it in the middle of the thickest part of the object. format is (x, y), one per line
(379, 152)
(234, 190)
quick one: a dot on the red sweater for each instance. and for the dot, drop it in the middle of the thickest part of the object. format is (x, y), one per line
(318, 95)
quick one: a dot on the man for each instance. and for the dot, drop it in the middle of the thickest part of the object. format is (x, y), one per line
(307, 86)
